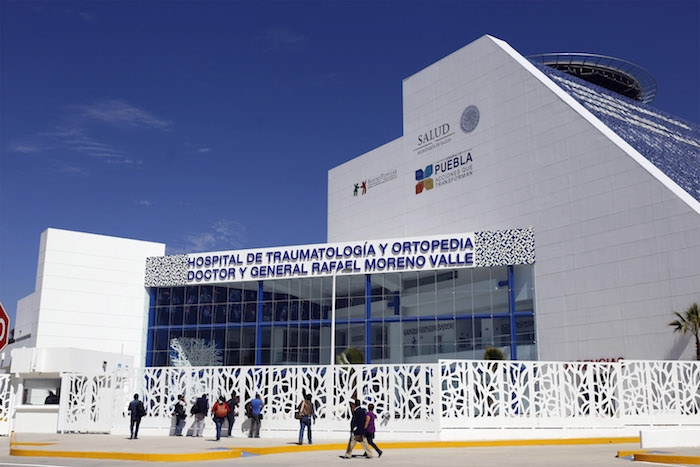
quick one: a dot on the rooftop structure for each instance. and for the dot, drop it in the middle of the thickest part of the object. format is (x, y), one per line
(615, 74)
(667, 141)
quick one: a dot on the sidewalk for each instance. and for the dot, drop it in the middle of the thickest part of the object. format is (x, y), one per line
(184, 449)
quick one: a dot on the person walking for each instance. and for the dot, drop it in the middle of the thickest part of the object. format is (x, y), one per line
(307, 415)
(357, 431)
(200, 411)
(220, 411)
(231, 417)
(137, 411)
(180, 414)
(256, 406)
(370, 429)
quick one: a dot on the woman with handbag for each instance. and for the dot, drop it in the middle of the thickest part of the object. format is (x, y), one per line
(305, 414)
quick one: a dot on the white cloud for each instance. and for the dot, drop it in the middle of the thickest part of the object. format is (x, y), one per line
(203, 150)
(89, 17)
(144, 202)
(76, 140)
(74, 171)
(74, 132)
(275, 39)
(224, 234)
(119, 113)
(26, 148)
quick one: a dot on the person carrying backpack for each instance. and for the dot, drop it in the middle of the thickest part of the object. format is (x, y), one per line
(199, 410)
(220, 411)
(180, 415)
(306, 415)
(137, 411)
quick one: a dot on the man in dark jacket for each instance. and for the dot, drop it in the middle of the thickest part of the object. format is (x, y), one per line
(137, 411)
(200, 414)
(232, 405)
(357, 431)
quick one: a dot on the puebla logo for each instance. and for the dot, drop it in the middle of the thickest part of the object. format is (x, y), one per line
(469, 119)
(450, 169)
(423, 179)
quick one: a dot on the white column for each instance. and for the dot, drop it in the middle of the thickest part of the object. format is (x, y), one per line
(333, 323)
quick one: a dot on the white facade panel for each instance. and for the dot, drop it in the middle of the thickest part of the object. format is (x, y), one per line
(615, 241)
(92, 292)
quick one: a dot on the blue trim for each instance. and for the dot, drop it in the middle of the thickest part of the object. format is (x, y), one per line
(368, 316)
(187, 327)
(511, 310)
(152, 296)
(149, 347)
(395, 304)
(327, 322)
(432, 318)
(258, 328)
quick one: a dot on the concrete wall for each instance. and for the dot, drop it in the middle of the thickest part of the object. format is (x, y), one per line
(617, 248)
(92, 294)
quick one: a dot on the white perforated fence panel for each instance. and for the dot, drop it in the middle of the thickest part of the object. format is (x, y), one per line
(419, 398)
(660, 391)
(529, 394)
(5, 404)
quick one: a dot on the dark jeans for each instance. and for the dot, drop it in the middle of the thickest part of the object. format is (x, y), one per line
(135, 422)
(179, 425)
(219, 421)
(305, 421)
(370, 441)
(231, 418)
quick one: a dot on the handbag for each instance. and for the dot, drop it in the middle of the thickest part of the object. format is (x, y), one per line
(298, 414)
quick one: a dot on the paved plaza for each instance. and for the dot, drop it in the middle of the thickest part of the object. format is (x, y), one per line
(327, 452)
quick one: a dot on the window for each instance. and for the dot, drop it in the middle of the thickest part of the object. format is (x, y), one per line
(413, 316)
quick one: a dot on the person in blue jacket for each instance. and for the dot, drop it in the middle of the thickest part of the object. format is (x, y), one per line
(256, 412)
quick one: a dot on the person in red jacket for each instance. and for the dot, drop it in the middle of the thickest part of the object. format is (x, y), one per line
(220, 411)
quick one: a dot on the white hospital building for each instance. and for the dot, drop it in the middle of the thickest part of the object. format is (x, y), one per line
(538, 205)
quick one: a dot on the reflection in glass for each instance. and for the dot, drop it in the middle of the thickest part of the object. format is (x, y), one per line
(414, 316)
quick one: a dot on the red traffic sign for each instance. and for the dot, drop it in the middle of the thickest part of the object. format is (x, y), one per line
(4, 327)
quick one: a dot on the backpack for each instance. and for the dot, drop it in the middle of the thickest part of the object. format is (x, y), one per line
(220, 410)
(194, 409)
(249, 410)
(179, 411)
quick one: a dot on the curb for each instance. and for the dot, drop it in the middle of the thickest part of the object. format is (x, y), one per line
(667, 459)
(236, 452)
(131, 456)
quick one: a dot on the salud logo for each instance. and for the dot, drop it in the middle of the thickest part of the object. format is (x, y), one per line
(469, 119)
(424, 180)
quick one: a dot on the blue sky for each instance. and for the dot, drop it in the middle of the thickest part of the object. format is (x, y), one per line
(212, 125)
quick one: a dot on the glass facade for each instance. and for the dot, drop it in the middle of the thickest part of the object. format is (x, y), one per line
(399, 317)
